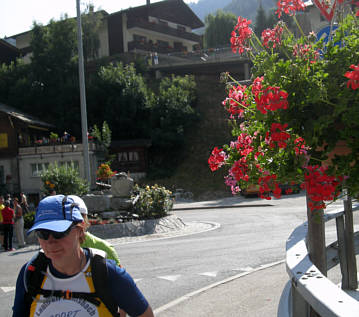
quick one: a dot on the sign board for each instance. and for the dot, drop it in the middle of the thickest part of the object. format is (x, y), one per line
(3, 140)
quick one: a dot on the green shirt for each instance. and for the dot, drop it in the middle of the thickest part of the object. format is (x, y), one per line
(92, 241)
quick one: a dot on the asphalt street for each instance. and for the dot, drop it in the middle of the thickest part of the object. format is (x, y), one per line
(241, 236)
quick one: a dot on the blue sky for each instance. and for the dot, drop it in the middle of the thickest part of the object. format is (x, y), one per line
(16, 16)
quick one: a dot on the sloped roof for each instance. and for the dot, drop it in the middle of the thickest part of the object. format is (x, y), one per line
(8, 52)
(29, 119)
(171, 10)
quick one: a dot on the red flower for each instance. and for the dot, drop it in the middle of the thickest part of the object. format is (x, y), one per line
(353, 77)
(257, 85)
(277, 136)
(289, 191)
(236, 101)
(239, 170)
(272, 98)
(320, 186)
(243, 144)
(216, 159)
(299, 146)
(289, 7)
(240, 41)
(272, 37)
(306, 52)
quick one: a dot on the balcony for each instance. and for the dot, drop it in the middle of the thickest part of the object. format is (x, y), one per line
(152, 26)
(57, 148)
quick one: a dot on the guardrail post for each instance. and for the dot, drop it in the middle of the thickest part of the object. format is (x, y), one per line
(349, 244)
(300, 307)
(342, 251)
(316, 243)
(316, 238)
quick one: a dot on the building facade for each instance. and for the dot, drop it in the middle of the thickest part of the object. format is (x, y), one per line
(161, 27)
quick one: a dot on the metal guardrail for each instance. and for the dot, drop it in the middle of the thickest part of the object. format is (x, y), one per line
(308, 286)
(204, 56)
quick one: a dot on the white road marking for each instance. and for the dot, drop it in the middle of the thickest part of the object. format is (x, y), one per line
(7, 289)
(211, 274)
(171, 278)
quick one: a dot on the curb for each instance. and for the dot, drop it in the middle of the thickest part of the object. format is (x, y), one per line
(219, 206)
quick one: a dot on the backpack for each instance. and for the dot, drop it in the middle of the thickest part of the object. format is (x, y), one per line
(35, 272)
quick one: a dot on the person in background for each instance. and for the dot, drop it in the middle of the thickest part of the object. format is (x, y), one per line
(9, 199)
(1, 224)
(52, 192)
(8, 215)
(19, 223)
(60, 230)
(92, 241)
(23, 203)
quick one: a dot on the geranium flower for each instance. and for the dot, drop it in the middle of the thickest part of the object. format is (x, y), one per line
(272, 98)
(289, 7)
(240, 36)
(277, 136)
(236, 102)
(272, 37)
(353, 77)
(216, 159)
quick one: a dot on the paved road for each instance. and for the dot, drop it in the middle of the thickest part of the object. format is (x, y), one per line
(166, 269)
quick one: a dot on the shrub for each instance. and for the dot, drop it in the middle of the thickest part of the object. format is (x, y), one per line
(153, 202)
(29, 219)
(64, 179)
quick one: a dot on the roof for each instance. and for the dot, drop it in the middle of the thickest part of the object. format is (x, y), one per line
(8, 52)
(29, 119)
(171, 10)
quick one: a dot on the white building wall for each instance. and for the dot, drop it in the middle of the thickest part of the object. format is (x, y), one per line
(49, 155)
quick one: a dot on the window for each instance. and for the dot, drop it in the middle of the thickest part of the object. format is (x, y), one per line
(139, 38)
(181, 28)
(38, 168)
(162, 44)
(68, 163)
(128, 156)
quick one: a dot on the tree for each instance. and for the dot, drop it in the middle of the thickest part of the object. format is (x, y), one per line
(91, 24)
(218, 29)
(119, 96)
(261, 21)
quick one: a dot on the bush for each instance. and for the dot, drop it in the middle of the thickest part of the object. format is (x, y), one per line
(29, 219)
(64, 179)
(153, 202)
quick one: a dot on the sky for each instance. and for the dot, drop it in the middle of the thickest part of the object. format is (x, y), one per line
(16, 16)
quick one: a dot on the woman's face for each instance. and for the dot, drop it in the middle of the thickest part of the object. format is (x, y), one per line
(61, 249)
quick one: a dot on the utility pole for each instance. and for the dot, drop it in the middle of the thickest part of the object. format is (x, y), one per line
(83, 96)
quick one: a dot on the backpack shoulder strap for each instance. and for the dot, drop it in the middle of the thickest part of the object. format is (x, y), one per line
(100, 280)
(34, 273)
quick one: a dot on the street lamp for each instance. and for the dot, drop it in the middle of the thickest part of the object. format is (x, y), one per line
(83, 96)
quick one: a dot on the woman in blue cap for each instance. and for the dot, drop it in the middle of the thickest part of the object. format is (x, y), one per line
(67, 286)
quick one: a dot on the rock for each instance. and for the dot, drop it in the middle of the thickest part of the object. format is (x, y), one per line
(121, 185)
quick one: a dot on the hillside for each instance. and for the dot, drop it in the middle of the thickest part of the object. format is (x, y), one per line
(245, 8)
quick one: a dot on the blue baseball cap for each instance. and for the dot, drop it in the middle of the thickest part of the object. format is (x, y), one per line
(56, 213)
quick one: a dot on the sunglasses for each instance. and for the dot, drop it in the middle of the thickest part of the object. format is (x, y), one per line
(44, 234)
